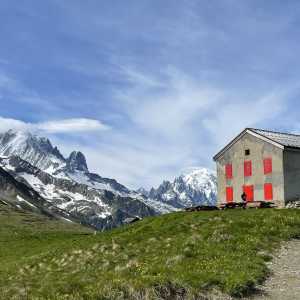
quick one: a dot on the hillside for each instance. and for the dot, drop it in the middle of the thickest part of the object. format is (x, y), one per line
(24, 234)
(187, 254)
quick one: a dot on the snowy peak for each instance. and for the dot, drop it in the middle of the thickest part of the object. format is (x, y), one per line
(197, 187)
(34, 149)
(200, 179)
(198, 176)
(77, 162)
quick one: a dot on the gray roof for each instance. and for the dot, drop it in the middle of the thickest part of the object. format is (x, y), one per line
(285, 139)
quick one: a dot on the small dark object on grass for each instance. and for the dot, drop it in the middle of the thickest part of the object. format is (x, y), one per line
(231, 205)
(132, 220)
(248, 204)
(201, 208)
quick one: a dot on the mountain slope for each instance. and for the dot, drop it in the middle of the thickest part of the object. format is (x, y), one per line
(18, 195)
(99, 208)
(67, 184)
(194, 188)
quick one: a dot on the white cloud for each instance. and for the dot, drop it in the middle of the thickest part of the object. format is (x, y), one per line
(71, 125)
(59, 126)
(7, 124)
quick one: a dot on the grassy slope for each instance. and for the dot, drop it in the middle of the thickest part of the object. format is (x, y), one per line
(179, 253)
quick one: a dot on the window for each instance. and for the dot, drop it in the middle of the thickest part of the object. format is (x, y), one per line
(229, 194)
(267, 165)
(247, 168)
(228, 171)
(268, 187)
(249, 191)
(247, 152)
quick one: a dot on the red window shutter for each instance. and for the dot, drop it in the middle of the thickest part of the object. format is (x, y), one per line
(228, 171)
(229, 194)
(248, 168)
(268, 187)
(267, 165)
(249, 191)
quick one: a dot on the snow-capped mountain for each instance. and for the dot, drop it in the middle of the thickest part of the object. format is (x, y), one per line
(197, 187)
(67, 183)
(67, 187)
(38, 151)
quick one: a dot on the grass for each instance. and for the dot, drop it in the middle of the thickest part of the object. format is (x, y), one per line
(181, 255)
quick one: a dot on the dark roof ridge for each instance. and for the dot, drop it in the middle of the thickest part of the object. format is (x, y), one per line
(272, 131)
(254, 131)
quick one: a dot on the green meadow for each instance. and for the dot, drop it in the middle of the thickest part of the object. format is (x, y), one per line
(176, 256)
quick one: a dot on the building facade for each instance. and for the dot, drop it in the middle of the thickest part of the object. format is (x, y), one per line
(263, 164)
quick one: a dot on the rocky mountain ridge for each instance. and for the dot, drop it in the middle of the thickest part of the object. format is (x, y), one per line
(67, 183)
(69, 186)
(197, 187)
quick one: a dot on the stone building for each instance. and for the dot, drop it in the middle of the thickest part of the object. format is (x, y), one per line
(263, 164)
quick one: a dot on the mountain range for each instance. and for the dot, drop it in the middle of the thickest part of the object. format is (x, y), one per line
(197, 187)
(36, 176)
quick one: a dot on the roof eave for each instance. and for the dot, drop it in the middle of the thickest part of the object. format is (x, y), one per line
(250, 131)
(292, 148)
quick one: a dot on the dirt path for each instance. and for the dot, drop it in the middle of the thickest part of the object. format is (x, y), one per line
(284, 284)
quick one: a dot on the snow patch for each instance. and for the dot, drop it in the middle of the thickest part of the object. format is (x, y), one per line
(23, 200)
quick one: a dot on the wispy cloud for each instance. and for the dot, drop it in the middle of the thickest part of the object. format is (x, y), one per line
(167, 103)
(7, 124)
(7, 82)
(233, 115)
(53, 127)
(71, 125)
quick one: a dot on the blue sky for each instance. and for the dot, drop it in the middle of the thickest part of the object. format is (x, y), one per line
(147, 89)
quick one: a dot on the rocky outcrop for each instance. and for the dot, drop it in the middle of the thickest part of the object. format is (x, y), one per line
(76, 162)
